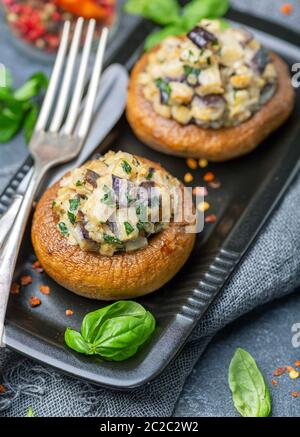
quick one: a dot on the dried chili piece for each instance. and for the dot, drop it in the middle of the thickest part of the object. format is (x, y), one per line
(26, 280)
(280, 371)
(15, 288)
(45, 289)
(69, 312)
(34, 301)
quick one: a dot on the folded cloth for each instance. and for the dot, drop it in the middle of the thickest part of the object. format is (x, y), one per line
(269, 270)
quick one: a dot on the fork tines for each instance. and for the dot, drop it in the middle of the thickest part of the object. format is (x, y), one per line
(61, 83)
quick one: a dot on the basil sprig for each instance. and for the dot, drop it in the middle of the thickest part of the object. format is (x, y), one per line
(250, 393)
(19, 108)
(115, 332)
(176, 20)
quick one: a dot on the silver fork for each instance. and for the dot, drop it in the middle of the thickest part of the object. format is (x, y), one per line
(61, 142)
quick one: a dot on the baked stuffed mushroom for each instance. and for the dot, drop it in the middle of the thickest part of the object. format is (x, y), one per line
(215, 93)
(100, 232)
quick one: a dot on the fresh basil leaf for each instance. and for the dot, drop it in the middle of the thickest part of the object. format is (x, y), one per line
(191, 70)
(156, 37)
(76, 342)
(250, 393)
(196, 10)
(135, 7)
(29, 122)
(160, 11)
(119, 338)
(92, 321)
(5, 78)
(30, 412)
(8, 128)
(32, 87)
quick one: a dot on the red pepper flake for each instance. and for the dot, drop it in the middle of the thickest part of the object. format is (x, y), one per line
(44, 289)
(295, 394)
(289, 368)
(274, 382)
(34, 301)
(215, 185)
(286, 9)
(297, 363)
(211, 218)
(37, 267)
(280, 371)
(69, 312)
(15, 288)
(2, 389)
(26, 280)
(192, 163)
(209, 176)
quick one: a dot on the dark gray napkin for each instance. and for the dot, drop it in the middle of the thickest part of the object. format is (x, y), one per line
(270, 270)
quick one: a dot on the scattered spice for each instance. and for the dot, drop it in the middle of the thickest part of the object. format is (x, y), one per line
(36, 265)
(295, 394)
(69, 313)
(286, 9)
(280, 371)
(15, 288)
(44, 289)
(289, 368)
(274, 382)
(200, 191)
(212, 218)
(34, 301)
(297, 363)
(215, 185)
(203, 206)
(2, 389)
(293, 374)
(203, 163)
(26, 280)
(188, 177)
(209, 176)
(192, 163)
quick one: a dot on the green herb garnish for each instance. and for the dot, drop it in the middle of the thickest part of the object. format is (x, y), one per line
(128, 228)
(79, 183)
(53, 204)
(74, 203)
(140, 226)
(63, 229)
(109, 196)
(250, 393)
(114, 332)
(18, 108)
(190, 70)
(164, 87)
(126, 167)
(111, 240)
(72, 217)
(176, 20)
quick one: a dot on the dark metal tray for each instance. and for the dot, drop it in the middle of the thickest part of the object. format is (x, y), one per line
(251, 187)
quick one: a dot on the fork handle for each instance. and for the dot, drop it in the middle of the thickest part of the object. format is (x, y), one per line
(8, 218)
(10, 250)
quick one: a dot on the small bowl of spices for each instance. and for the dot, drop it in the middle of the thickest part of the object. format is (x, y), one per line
(37, 24)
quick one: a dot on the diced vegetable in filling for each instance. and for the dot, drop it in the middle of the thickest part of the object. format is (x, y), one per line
(113, 203)
(212, 77)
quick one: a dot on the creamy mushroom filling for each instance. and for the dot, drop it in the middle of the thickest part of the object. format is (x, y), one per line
(113, 203)
(213, 77)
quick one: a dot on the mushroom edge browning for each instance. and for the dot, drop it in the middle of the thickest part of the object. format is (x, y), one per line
(121, 276)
